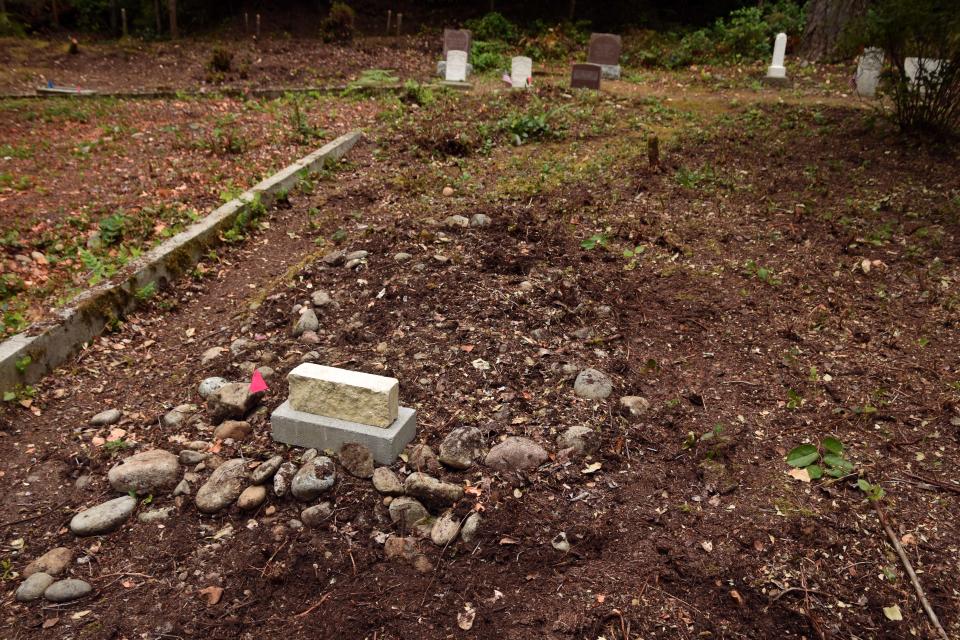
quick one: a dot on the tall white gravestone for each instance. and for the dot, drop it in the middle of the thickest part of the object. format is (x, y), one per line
(777, 71)
(456, 70)
(521, 72)
(868, 72)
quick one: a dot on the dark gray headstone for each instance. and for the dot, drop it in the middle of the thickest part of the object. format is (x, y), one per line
(585, 76)
(456, 40)
(604, 49)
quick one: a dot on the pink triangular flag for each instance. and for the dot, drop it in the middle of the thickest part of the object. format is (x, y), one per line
(258, 384)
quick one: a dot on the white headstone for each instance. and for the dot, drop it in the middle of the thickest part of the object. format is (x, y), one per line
(521, 72)
(931, 69)
(776, 69)
(868, 72)
(456, 66)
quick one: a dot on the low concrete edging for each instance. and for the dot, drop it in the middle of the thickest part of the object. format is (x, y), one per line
(24, 358)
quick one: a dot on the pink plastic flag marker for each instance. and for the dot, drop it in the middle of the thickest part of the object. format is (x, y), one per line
(258, 384)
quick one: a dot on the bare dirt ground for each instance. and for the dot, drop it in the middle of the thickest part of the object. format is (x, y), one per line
(787, 273)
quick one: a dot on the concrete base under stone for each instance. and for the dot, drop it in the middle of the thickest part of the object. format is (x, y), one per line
(321, 432)
(773, 81)
(442, 69)
(610, 71)
(460, 86)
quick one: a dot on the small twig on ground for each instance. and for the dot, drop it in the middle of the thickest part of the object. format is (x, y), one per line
(910, 572)
(316, 604)
(933, 483)
(34, 517)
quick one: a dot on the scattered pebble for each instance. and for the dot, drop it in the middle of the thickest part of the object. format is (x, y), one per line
(422, 458)
(33, 587)
(386, 482)
(190, 457)
(315, 516)
(407, 512)
(232, 400)
(470, 526)
(445, 529)
(209, 385)
(53, 562)
(357, 460)
(461, 447)
(66, 590)
(306, 322)
(430, 491)
(236, 430)
(252, 497)
(321, 299)
(634, 405)
(479, 220)
(593, 385)
(282, 479)
(223, 487)
(314, 478)
(266, 470)
(456, 222)
(149, 472)
(516, 453)
(402, 257)
(106, 418)
(210, 355)
(581, 439)
(103, 518)
(156, 515)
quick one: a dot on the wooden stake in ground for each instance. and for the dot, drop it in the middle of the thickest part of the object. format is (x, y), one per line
(910, 572)
(258, 26)
(389, 20)
(172, 10)
(399, 22)
(653, 151)
(246, 22)
(123, 21)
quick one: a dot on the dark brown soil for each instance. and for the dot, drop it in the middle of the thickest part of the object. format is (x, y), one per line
(747, 313)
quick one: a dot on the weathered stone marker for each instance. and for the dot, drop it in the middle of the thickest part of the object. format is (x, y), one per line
(868, 72)
(776, 72)
(348, 395)
(605, 51)
(585, 76)
(521, 72)
(455, 40)
(330, 407)
(456, 69)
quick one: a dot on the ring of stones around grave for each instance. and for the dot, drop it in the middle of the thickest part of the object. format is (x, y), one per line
(604, 50)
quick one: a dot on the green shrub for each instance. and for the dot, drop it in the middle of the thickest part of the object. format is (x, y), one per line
(493, 26)
(10, 28)
(556, 42)
(338, 26)
(929, 30)
(746, 34)
(489, 56)
(220, 60)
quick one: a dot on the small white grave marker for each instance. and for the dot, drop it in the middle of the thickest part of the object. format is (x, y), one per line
(868, 72)
(521, 72)
(456, 70)
(777, 70)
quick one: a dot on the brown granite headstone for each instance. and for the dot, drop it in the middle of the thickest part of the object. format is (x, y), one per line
(456, 40)
(604, 49)
(585, 76)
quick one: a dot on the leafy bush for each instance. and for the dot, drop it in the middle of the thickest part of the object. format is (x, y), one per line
(493, 26)
(111, 228)
(746, 34)
(930, 31)
(10, 28)
(220, 60)
(532, 125)
(415, 93)
(489, 56)
(338, 26)
(556, 42)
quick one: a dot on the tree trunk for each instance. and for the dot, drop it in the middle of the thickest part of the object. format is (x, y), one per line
(156, 9)
(54, 8)
(172, 10)
(571, 10)
(3, 6)
(826, 22)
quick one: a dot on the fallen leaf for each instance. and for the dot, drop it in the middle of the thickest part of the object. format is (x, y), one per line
(128, 584)
(80, 614)
(908, 538)
(481, 365)
(707, 546)
(799, 474)
(865, 265)
(592, 468)
(190, 332)
(509, 540)
(601, 598)
(212, 594)
(893, 613)
(467, 347)
(50, 622)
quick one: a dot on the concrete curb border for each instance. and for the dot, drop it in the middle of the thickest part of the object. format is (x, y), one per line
(225, 92)
(86, 315)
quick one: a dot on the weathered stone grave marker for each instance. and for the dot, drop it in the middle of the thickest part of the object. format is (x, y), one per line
(922, 71)
(455, 40)
(868, 72)
(776, 72)
(585, 76)
(605, 51)
(456, 69)
(521, 72)
(330, 407)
